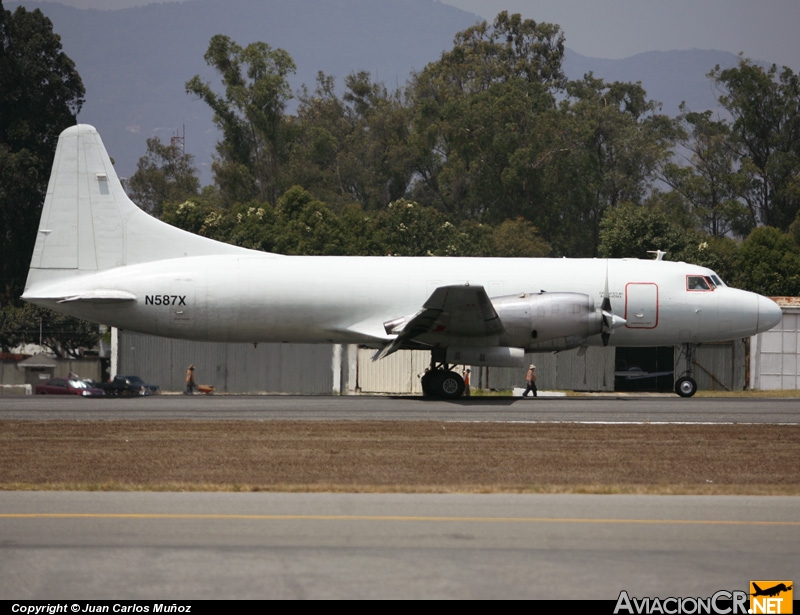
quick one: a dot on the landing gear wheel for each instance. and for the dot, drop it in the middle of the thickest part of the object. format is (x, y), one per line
(428, 382)
(685, 387)
(449, 385)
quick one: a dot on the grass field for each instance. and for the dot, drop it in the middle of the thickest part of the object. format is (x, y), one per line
(380, 456)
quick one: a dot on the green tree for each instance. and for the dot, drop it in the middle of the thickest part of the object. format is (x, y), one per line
(406, 228)
(710, 184)
(201, 216)
(519, 238)
(613, 142)
(353, 149)
(164, 173)
(634, 231)
(250, 115)
(768, 262)
(40, 95)
(65, 336)
(765, 105)
(475, 107)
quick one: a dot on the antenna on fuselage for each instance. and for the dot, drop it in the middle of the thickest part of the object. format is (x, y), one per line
(659, 254)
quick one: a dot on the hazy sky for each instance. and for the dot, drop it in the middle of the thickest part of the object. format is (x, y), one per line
(765, 30)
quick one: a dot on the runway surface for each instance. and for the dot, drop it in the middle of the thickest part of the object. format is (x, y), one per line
(173, 546)
(596, 409)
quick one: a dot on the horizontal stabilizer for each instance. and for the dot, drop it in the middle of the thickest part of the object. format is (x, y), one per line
(101, 296)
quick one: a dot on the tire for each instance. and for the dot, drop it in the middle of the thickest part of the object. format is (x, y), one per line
(685, 387)
(450, 385)
(428, 384)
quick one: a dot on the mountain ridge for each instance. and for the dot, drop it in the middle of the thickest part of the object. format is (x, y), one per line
(135, 61)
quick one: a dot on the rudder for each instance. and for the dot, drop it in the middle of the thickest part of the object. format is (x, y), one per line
(89, 224)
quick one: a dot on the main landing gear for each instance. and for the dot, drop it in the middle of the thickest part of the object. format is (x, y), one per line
(685, 386)
(441, 381)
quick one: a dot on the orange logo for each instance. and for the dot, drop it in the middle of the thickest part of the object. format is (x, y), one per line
(771, 597)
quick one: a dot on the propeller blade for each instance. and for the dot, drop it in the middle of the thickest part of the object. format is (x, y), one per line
(610, 320)
(606, 304)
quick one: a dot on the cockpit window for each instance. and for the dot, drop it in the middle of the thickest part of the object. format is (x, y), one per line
(717, 280)
(698, 282)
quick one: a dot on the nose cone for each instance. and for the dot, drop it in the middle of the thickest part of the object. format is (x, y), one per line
(769, 314)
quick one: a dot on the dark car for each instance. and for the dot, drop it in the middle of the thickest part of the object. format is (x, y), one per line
(69, 386)
(136, 381)
(123, 386)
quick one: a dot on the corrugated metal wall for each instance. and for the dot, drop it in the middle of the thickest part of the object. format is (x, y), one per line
(717, 367)
(230, 368)
(398, 373)
(321, 369)
(569, 370)
(774, 363)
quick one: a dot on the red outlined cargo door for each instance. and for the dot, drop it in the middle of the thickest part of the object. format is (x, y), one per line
(641, 305)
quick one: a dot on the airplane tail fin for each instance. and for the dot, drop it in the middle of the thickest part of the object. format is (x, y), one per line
(89, 224)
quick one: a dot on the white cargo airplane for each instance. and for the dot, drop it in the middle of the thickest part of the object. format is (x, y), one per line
(99, 257)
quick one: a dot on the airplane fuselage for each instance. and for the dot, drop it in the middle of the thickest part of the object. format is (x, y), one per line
(99, 257)
(273, 298)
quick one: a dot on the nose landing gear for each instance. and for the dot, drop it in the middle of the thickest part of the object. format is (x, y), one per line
(685, 386)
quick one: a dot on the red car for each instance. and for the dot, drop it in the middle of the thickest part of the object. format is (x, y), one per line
(72, 386)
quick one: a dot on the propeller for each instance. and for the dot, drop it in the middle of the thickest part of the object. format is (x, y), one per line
(610, 320)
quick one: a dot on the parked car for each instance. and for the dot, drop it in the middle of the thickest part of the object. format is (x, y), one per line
(123, 386)
(69, 386)
(135, 380)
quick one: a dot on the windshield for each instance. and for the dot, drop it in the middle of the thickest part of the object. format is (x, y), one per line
(78, 384)
(698, 282)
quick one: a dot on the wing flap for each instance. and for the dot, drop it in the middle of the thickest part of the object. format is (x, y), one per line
(462, 310)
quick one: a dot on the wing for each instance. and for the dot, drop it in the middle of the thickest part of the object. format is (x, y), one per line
(450, 311)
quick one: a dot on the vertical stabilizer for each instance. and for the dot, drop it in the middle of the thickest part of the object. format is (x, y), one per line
(89, 224)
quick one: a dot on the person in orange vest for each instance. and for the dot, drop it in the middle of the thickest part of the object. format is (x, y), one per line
(530, 381)
(190, 383)
(466, 382)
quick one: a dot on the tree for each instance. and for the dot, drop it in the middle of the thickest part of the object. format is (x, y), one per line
(40, 95)
(250, 115)
(65, 336)
(164, 173)
(353, 149)
(768, 263)
(765, 105)
(475, 107)
(614, 141)
(519, 238)
(710, 184)
(633, 231)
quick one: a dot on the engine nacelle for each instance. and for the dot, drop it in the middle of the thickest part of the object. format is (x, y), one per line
(495, 356)
(548, 321)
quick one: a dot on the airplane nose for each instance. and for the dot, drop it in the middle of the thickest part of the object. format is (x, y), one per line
(769, 314)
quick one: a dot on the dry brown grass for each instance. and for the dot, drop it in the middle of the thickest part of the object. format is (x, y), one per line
(379, 456)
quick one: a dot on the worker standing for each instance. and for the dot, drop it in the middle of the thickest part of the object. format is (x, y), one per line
(530, 382)
(191, 385)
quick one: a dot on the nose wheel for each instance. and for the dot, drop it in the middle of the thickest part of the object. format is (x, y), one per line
(685, 386)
